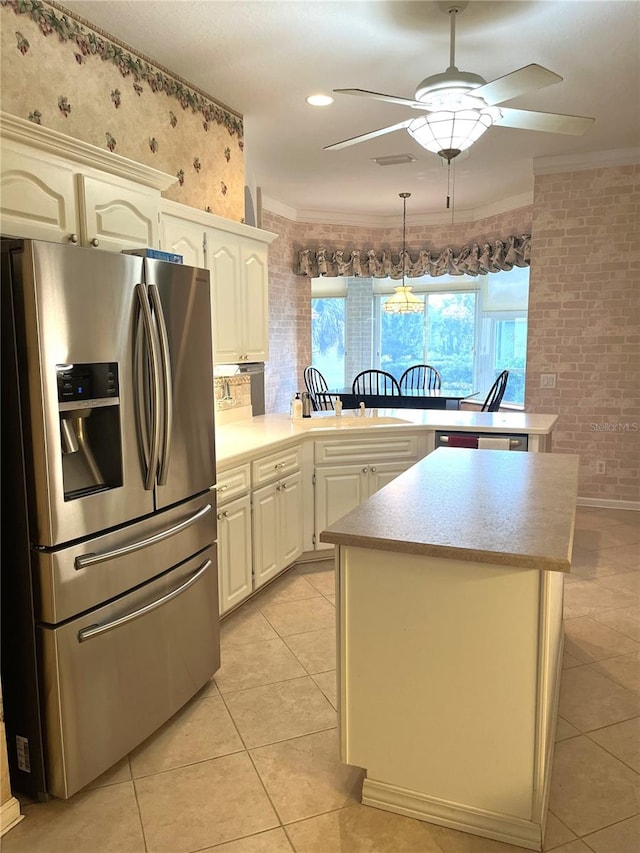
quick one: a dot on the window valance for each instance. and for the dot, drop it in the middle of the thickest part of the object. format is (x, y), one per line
(475, 259)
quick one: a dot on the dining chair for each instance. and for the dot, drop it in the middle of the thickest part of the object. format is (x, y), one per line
(317, 387)
(420, 377)
(495, 395)
(376, 382)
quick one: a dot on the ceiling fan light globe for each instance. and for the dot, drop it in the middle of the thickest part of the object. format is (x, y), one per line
(448, 130)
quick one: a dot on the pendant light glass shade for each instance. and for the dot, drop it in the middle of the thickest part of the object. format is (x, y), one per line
(448, 133)
(403, 301)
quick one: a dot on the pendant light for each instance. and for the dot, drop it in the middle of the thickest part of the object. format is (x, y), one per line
(403, 301)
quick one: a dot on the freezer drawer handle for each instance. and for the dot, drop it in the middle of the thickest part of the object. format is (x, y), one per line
(87, 560)
(96, 630)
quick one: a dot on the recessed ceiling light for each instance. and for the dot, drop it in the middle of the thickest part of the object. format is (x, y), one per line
(319, 100)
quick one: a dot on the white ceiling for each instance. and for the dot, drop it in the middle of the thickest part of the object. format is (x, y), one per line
(262, 59)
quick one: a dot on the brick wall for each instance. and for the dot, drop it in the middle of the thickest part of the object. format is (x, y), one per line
(584, 311)
(584, 322)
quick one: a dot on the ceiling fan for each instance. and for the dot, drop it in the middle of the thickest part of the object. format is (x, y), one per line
(461, 106)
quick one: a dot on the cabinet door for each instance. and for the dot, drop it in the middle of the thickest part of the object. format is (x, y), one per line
(339, 489)
(384, 472)
(183, 238)
(265, 539)
(234, 552)
(223, 262)
(37, 198)
(118, 214)
(290, 520)
(254, 292)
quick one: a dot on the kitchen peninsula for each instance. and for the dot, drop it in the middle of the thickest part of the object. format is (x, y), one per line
(449, 596)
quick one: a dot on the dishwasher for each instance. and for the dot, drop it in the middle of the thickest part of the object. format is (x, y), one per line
(482, 440)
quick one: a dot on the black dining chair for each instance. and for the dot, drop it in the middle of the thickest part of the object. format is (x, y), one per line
(376, 382)
(317, 387)
(421, 377)
(495, 395)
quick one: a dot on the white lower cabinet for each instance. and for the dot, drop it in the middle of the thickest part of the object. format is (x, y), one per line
(234, 552)
(360, 469)
(277, 527)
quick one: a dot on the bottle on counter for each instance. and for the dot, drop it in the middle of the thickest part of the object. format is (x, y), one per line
(338, 407)
(296, 407)
(306, 404)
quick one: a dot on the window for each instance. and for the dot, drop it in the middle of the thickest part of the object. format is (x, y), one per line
(471, 329)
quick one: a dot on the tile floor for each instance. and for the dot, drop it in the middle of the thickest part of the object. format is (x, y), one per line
(250, 764)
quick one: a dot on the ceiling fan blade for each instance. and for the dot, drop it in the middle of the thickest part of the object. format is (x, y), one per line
(365, 136)
(376, 96)
(549, 122)
(516, 83)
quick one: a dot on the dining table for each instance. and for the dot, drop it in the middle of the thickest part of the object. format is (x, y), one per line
(435, 398)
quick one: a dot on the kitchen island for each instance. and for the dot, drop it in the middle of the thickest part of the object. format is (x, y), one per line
(449, 597)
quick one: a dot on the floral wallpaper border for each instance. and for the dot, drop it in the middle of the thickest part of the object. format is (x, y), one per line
(52, 18)
(471, 260)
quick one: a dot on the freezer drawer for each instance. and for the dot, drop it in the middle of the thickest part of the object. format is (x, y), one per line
(113, 676)
(82, 576)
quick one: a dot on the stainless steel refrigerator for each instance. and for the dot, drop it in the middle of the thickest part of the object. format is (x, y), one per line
(109, 576)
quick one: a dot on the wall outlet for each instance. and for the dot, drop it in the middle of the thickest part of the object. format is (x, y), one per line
(547, 380)
(601, 466)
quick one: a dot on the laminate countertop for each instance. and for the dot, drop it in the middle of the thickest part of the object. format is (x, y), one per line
(487, 506)
(238, 440)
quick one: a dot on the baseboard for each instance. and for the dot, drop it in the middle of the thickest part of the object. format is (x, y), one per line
(604, 503)
(500, 827)
(9, 815)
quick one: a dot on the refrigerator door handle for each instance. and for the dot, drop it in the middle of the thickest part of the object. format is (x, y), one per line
(167, 397)
(97, 630)
(87, 560)
(154, 389)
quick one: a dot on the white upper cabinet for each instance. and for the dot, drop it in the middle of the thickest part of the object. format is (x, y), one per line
(236, 255)
(54, 187)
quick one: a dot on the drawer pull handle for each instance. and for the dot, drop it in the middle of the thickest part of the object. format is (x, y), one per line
(96, 630)
(87, 560)
(217, 488)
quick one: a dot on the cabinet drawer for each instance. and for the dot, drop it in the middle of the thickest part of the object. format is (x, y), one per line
(366, 449)
(274, 466)
(233, 483)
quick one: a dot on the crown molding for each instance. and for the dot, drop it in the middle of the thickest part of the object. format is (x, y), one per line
(588, 160)
(340, 217)
(58, 144)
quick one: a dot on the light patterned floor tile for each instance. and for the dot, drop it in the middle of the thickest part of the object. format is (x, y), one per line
(628, 581)
(288, 587)
(621, 740)
(204, 804)
(120, 772)
(326, 681)
(273, 841)
(254, 664)
(321, 575)
(584, 598)
(277, 712)
(316, 650)
(590, 701)
(565, 730)
(201, 730)
(244, 626)
(576, 846)
(556, 833)
(300, 616)
(305, 777)
(596, 564)
(591, 789)
(587, 640)
(626, 621)
(360, 829)
(104, 819)
(624, 670)
(623, 837)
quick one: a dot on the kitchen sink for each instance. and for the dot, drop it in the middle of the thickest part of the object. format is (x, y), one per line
(367, 420)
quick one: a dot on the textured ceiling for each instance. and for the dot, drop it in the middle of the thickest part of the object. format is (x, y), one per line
(263, 58)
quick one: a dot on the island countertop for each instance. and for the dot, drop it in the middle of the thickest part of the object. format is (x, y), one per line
(488, 506)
